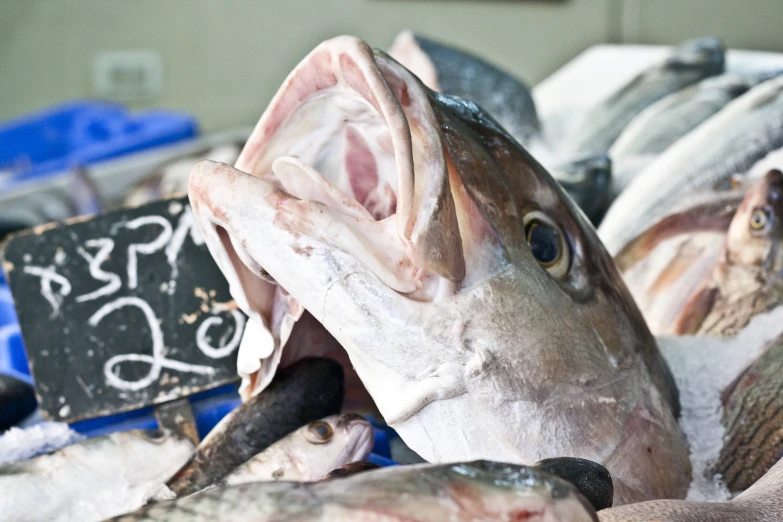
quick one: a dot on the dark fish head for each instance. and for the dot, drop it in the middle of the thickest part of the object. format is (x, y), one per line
(755, 234)
(706, 55)
(453, 71)
(588, 181)
(591, 479)
(446, 261)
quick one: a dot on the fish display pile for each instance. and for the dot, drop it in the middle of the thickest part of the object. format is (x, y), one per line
(409, 242)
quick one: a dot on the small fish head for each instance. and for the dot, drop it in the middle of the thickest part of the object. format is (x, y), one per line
(706, 55)
(324, 445)
(755, 234)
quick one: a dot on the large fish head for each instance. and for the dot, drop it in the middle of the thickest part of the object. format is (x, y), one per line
(706, 56)
(474, 299)
(754, 236)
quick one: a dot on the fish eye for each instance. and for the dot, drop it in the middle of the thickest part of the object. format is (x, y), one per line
(154, 435)
(759, 219)
(319, 432)
(547, 243)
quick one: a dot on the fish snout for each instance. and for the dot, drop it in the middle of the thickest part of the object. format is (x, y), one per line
(708, 54)
(361, 438)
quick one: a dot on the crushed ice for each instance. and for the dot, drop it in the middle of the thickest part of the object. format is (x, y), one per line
(703, 366)
(23, 443)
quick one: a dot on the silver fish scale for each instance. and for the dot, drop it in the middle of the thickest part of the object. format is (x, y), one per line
(706, 163)
(675, 116)
(599, 127)
(244, 502)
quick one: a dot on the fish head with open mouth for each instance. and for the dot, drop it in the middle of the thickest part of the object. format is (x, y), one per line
(473, 298)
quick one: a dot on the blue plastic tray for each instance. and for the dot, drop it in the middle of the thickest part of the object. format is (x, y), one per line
(84, 132)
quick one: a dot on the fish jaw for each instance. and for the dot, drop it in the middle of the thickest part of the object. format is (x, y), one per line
(447, 317)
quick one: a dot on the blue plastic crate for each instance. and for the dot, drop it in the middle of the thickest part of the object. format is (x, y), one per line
(84, 132)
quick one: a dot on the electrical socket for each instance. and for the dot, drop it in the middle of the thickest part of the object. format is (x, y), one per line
(128, 74)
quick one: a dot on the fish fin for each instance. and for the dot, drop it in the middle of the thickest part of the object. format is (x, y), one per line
(695, 311)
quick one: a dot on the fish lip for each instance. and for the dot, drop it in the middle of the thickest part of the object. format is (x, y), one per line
(361, 440)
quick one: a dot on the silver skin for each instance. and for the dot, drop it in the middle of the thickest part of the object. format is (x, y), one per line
(600, 126)
(92, 480)
(470, 347)
(729, 143)
(309, 453)
(472, 491)
(664, 122)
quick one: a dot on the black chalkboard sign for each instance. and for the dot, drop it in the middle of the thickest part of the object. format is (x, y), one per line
(122, 310)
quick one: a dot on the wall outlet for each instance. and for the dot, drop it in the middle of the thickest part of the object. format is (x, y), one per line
(128, 74)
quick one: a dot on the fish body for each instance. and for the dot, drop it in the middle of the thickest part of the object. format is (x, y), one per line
(667, 120)
(729, 143)
(601, 125)
(762, 502)
(309, 453)
(472, 296)
(452, 71)
(17, 401)
(589, 182)
(484, 491)
(303, 392)
(91, 480)
(753, 417)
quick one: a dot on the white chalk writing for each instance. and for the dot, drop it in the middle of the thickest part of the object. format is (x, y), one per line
(48, 276)
(146, 248)
(157, 361)
(113, 281)
(216, 353)
(178, 239)
(96, 252)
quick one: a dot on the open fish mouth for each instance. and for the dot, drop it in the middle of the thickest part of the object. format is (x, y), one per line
(346, 167)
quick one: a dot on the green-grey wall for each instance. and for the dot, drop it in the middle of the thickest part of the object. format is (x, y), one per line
(224, 59)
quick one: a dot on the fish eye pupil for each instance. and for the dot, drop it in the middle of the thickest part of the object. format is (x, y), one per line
(319, 432)
(759, 219)
(545, 243)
